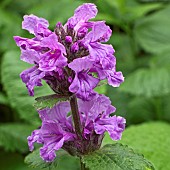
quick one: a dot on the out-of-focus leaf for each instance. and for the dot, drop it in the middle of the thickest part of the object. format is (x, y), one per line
(55, 11)
(161, 60)
(146, 107)
(118, 157)
(123, 51)
(3, 99)
(9, 25)
(152, 32)
(151, 139)
(16, 91)
(148, 82)
(13, 161)
(13, 136)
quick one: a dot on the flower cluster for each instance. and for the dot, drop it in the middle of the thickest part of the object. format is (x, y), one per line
(57, 130)
(72, 60)
(73, 54)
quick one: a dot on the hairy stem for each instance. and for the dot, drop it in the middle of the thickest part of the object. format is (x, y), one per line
(82, 165)
(76, 116)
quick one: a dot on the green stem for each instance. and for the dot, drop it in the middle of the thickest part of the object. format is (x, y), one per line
(76, 116)
(83, 165)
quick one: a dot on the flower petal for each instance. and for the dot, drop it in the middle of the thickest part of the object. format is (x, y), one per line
(31, 22)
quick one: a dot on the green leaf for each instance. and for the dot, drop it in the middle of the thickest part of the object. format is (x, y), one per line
(161, 60)
(62, 161)
(16, 91)
(7, 29)
(152, 32)
(13, 136)
(49, 101)
(13, 161)
(60, 10)
(35, 161)
(117, 157)
(151, 139)
(3, 98)
(147, 82)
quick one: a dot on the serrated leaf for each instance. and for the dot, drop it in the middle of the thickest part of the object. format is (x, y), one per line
(148, 82)
(13, 136)
(35, 161)
(117, 157)
(62, 161)
(16, 91)
(151, 139)
(48, 101)
(152, 32)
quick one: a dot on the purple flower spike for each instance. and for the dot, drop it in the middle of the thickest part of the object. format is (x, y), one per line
(60, 55)
(57, 130)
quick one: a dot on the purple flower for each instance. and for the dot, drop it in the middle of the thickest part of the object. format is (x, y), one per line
(74, 52)
(57, 130)
(83, 83)
(96, 116)
(32, 77)
(81, 15)
(36, 26)
(54, 58)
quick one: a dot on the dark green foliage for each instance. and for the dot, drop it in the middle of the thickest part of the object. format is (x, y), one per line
(117, 157)
(16, 91)
(62, 161)
(13, 161)
(13, 136)
(151, 139)
(148, 82)
(151, 32)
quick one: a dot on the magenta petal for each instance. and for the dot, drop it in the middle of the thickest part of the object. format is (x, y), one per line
(115, 78)
(32, 77)
(82, 14)
(57, 113)
(100, 32)
(80, 64)
(35, 137)
(30, 56)
(83, 85)
(54, 58)
(31, 22)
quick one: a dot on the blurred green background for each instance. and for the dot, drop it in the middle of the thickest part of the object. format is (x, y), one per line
(141, 38)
